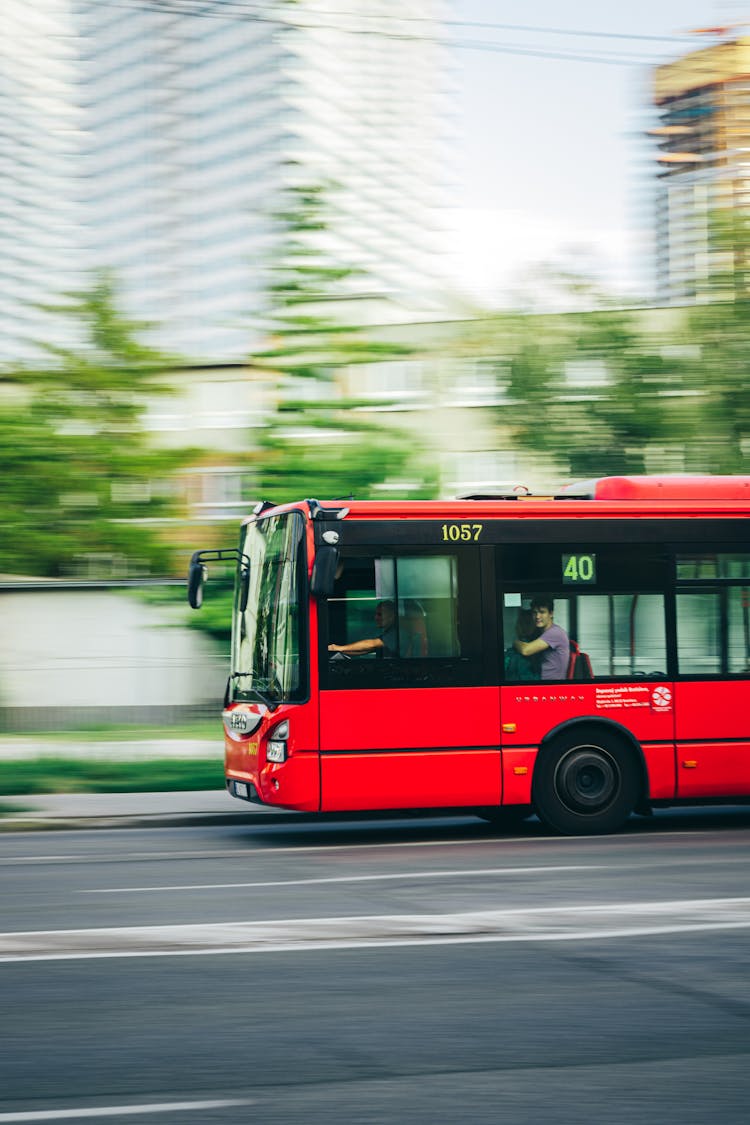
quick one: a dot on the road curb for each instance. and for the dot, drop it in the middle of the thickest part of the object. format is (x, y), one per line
(39, 822)
(23, 822)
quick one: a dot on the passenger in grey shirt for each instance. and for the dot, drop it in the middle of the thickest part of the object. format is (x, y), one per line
(552, 643)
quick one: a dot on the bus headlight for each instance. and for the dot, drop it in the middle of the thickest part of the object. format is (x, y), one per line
(276, 748)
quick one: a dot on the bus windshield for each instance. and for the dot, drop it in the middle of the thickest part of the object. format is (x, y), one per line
(267, 633)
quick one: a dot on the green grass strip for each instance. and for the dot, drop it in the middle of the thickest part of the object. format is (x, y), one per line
(60, 775)
(209, 730)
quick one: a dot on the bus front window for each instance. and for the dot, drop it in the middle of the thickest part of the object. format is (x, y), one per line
(267, 634)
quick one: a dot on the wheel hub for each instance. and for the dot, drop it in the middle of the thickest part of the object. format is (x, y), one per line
(587, 779)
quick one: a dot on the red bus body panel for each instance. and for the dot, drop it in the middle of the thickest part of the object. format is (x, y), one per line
(476, 746)
(713, 739)
(294, 784)
(403, 748)
(645, 710)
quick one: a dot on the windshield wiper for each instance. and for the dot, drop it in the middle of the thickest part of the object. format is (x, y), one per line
(269, 703)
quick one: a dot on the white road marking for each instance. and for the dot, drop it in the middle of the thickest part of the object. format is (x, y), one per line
(244, 853)
(119, 1110)
(473, 872)
(555, 923)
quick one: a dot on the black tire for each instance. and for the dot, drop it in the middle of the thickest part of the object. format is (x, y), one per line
(586, 781)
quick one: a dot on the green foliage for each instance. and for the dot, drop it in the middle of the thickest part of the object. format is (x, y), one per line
(215, 615)
(325, 447)
(60, 775)
(346, 462)
(305, 338)
(624, 391)
(719, 375)
(80, 478)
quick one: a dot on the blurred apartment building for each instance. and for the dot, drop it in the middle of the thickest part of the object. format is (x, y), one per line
(40, 236)
(173, 128)
(197, 114)
(703, 136)
(155, 139)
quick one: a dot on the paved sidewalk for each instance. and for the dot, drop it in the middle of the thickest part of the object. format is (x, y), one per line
(135, 810)
(26, 747)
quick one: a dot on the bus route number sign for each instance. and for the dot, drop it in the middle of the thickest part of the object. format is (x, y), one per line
(578, 569)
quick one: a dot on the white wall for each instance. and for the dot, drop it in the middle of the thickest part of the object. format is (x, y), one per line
(103, 648)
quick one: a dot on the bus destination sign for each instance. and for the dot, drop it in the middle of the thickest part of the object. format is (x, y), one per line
(578, 570)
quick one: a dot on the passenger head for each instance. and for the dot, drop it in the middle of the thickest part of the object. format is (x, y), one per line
(543, 601)
(385, 614)
(526, 629)
(543, 607)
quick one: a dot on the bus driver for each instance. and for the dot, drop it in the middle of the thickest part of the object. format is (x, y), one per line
(385, 643)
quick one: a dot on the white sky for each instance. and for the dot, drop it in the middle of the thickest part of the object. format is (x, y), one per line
(553, 160)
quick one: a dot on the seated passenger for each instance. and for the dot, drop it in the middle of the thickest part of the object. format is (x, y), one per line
(551, 643)
(518, 667)
(413, 630)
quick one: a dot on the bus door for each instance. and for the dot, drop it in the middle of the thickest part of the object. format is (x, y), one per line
(713, 653)
(408, 718)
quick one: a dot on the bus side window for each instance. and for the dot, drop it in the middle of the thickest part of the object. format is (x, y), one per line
(610, 635)
(699, 632)
(713, 613)
(433, 636)
(703, 645)
(608, 597)
(738, 615)
(623, 634)
(420, 590)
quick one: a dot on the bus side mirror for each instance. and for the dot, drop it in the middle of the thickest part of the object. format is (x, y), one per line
(196, 578)
(244, 586)
(324, 571)
(197, 574)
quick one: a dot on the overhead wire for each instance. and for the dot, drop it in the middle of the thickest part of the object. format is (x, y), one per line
(290, 18)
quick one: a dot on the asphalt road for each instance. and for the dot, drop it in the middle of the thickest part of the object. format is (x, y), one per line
(411, 971)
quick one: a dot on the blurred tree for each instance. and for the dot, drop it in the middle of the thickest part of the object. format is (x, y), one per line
(634, 417)
(598, 393)
(718, 330)
(588, 393)
(320, 444)
(614, 391)
(80, 479)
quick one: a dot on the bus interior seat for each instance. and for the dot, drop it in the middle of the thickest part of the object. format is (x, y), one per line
(579, 665)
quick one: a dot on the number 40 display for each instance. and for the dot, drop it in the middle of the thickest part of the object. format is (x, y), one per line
(578, 568)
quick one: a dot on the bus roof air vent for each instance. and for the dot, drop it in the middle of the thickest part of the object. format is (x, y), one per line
(667, 487)
(318, 512)
(517, 492)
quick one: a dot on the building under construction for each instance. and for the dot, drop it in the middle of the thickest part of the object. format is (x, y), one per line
(703, 138)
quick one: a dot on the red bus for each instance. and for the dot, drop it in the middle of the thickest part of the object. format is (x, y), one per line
(374, 662)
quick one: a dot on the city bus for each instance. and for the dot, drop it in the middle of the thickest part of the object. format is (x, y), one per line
(374, 657)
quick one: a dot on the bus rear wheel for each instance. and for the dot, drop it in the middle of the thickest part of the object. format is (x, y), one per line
(585, 782)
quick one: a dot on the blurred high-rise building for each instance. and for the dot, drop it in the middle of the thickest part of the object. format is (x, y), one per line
(703, 102)
(197, 114)
(40, 234)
